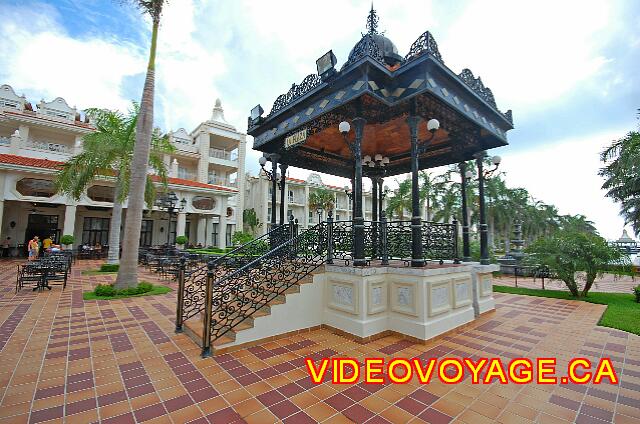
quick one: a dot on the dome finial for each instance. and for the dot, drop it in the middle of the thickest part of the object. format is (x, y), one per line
(372, 21)
(218, 113)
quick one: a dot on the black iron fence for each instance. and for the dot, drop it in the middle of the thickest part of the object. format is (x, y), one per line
(231, 288)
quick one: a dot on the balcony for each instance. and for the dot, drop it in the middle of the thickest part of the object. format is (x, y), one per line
(223, 154)
(186, 175)
(47, 146)
(184, 146)
(226, 182)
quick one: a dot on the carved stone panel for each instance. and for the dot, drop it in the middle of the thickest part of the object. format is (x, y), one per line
(343, 296)
(377, 297)
(439, 298)
(486, 286)
(461, 292)
(403, 298)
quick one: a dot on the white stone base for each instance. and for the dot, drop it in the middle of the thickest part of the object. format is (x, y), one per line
(418, 302)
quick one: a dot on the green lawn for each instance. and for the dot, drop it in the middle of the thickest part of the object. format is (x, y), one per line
(89, 295)
(622, 310)
(97, 272)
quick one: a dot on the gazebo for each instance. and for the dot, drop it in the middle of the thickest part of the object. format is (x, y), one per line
(380, 115)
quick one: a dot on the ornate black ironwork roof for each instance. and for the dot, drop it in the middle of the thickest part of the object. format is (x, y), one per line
(465, 107)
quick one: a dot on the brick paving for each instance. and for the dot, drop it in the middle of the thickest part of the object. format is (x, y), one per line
(66, 360)
(607, 283)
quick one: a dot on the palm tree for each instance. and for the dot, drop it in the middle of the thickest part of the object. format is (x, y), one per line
(427, 193)
(105, 151)
(321, 199)
(400, 201)
(622, 176)
(128, 272)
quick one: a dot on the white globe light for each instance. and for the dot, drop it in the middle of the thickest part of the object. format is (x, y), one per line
(433, 124)
(262, 160)
(366, 159)
(378, 157)
(469, 174)
(371, 164)
(385, 160)
(344, 127)
(496, 160)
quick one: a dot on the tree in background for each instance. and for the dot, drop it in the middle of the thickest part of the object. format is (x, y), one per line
(621, 172)
(567, 252)
(321, 199)
(250, 219)
(400, 201)
(128, 272)
(109, 151)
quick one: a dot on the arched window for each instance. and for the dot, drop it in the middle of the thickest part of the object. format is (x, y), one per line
(36, 187)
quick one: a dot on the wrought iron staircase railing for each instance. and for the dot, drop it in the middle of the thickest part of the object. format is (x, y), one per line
(192, 285)
(233, 287)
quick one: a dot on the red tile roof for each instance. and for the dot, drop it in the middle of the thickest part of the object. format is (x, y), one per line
(25, 161)
(54, 164)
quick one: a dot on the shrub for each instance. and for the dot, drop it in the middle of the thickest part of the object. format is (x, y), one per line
(182, 240)
(105, 290)
(145, 287)
(567, 252)
(240, 237)
(636, 292)
(67, 239)
(109, 268)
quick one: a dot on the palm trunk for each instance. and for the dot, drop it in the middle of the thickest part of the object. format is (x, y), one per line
(128, 272)
(113, 256)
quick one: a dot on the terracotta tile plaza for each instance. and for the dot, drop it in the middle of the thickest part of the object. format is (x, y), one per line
(63, 359)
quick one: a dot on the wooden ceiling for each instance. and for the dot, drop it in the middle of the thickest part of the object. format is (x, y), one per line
(390, 139)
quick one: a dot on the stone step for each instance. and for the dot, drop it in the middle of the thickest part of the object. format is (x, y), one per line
(195, 329)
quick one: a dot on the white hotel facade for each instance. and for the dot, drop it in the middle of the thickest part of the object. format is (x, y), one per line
(206, 169)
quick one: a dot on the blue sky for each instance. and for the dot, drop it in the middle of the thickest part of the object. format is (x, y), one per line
(567, 69)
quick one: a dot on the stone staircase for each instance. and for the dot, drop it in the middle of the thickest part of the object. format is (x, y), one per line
(194, 327)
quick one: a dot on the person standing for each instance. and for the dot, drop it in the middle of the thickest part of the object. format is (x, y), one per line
(46, 243)
(6, 244)
(34, 248)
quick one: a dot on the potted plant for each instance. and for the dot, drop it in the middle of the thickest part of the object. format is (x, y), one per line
(67, 240)
(181, 240)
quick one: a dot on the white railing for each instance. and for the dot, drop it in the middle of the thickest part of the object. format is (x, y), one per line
(184, 145)
(5, 141)
(223, 154)
(46, 146)
(214, 179)
(186, 175)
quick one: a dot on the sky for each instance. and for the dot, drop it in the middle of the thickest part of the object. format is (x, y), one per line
(568, 70)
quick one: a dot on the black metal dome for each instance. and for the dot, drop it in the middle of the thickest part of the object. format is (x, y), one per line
(375, 44)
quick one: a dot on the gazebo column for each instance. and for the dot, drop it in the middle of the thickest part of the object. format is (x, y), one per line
(466, 249)
(374, 215)
(353, 196)
(417, 257)
(283, 187)
(358, 219)
(274, 189)
(380, 196)
(484, 246)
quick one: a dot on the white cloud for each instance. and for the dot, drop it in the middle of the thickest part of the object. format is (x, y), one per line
(565, 173)
(42, 59)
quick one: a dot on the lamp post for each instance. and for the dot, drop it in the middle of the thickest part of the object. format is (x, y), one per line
(482, 174)
(319, 212)
(169, 202)
(358, 219)
(417, 148)
(273, 177)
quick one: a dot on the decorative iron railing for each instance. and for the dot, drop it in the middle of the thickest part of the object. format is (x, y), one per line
(232, 287)
(192, 285)
(243, 292)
